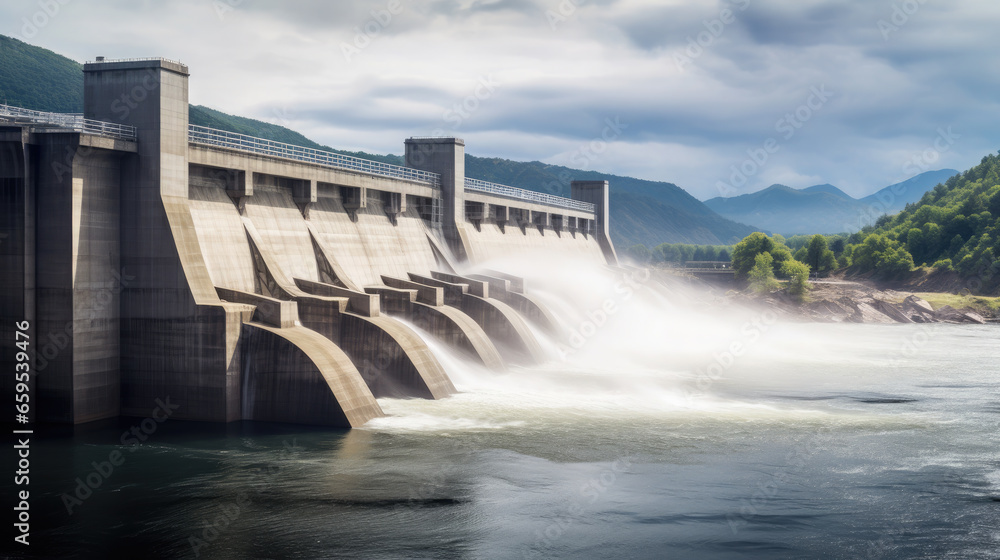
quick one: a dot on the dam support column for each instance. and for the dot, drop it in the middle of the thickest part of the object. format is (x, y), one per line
(178, 339)
(17, 251)
(596, 193)
(446, 157)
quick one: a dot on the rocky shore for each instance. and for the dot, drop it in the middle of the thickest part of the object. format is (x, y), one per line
(855, 302)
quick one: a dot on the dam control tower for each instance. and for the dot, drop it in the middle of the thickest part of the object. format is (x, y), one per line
(238, 278)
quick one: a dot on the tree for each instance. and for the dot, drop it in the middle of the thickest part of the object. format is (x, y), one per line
(828, 261)
(762, 274)
(780, 254)
(798, 277)
(746, 251)
(838, 246)
(883, 255)
(915, 244)
(819, 257)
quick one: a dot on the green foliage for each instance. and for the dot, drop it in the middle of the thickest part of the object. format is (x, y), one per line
(761, 275)
(680, 253)
(818, 255)
(746, 251)
(838, 246)
(943, 264)
(828, 261)
(883, 255)
(954, 226)
(39, 79)
(798, 277)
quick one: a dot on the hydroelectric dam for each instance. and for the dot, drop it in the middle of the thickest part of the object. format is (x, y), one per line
(237, 278)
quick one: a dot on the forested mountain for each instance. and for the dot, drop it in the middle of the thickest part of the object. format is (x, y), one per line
(956, 226)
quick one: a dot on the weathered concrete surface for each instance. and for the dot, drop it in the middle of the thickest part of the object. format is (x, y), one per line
(176, 336)
(501, 289)
(371, 246)
(492, 243)
(446, 157)
(296, 375)
(596, 193)
(17, 254)
(393, 360)
(505, 327)
(80, 277)
(221, 235)
(446, 323)
(359, 303)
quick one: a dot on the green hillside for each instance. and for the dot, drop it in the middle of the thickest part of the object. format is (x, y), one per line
(38, 79)
(646, 212)
(955, 226)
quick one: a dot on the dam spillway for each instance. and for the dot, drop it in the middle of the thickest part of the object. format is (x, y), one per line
(247, 279)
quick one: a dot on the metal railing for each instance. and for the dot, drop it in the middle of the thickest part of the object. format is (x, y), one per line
(70, 121)
(522, 194)
(100, 60)
(222, 139)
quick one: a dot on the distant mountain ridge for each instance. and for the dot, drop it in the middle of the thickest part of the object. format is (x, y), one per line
(823, 208)
(647, 212)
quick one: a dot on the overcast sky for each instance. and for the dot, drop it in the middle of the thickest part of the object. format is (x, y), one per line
(859, 94)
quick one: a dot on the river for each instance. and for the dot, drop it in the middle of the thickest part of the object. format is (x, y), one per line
(665, 431)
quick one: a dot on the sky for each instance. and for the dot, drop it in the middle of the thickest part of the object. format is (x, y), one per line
(720, 98)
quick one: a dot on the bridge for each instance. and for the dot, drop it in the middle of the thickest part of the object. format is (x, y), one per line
(251, 279)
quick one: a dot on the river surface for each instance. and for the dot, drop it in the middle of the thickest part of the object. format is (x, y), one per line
(816, 441)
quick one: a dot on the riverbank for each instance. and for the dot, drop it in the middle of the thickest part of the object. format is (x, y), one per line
(856, 300)
(846, 301)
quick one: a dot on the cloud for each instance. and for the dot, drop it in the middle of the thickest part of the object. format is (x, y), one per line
(558, 80)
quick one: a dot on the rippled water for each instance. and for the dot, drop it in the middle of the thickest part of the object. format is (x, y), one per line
(815, 441)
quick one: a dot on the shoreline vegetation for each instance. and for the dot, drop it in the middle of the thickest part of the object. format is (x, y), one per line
(840, 299)
(945, 244)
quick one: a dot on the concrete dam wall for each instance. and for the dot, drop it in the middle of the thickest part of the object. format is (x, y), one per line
(251, 280)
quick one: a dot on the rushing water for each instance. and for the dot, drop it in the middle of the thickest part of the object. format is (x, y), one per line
(673, 429)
